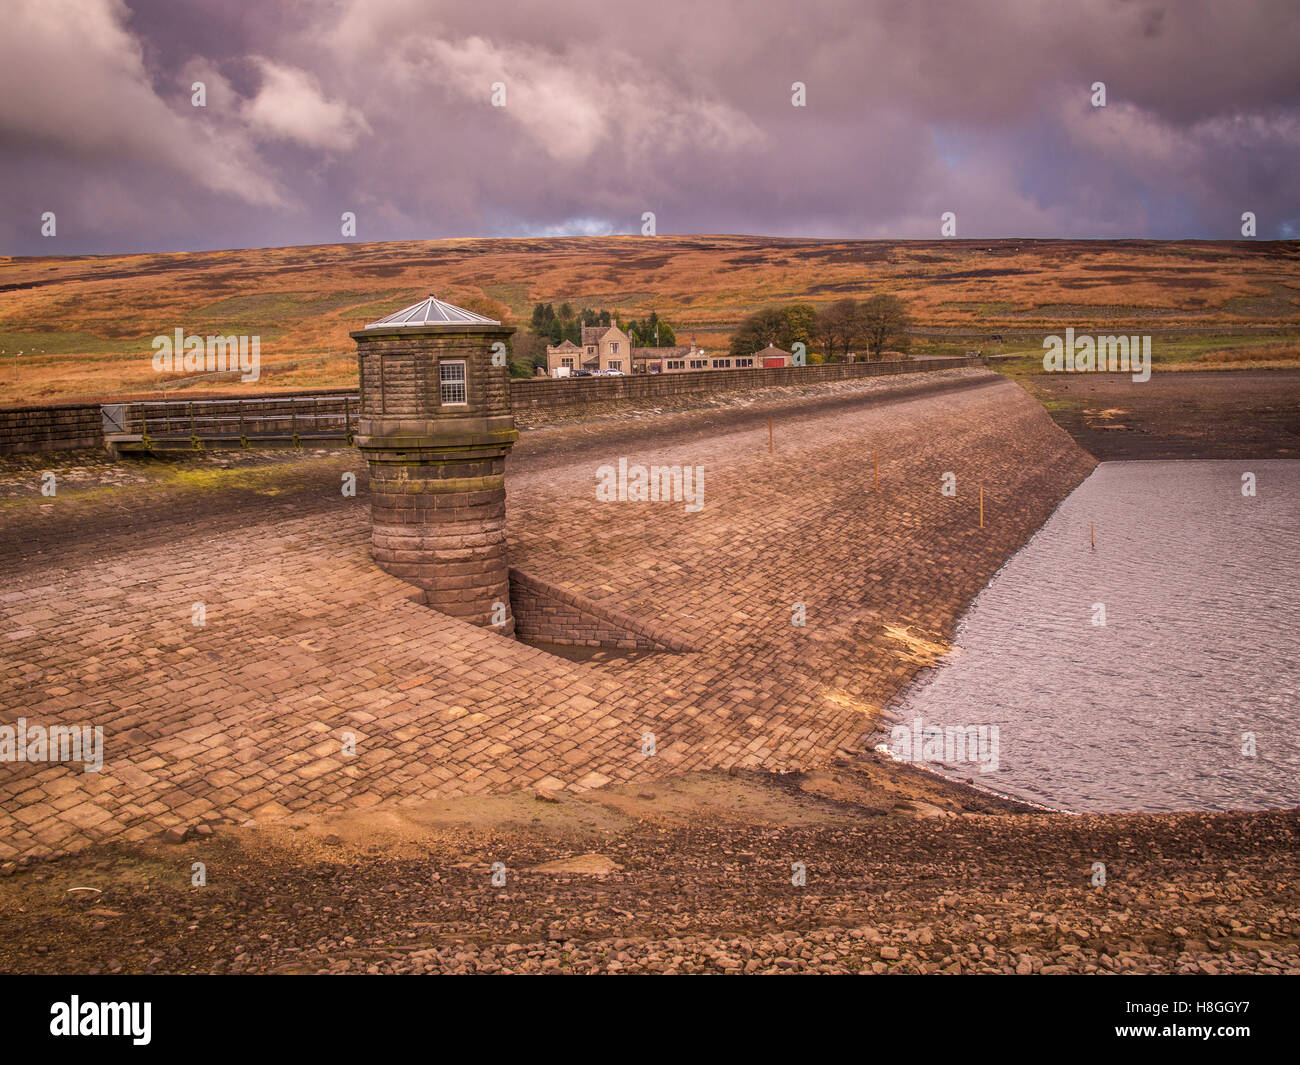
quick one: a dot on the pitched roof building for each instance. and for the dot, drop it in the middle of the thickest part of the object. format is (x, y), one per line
(773, 356)
(603, 347)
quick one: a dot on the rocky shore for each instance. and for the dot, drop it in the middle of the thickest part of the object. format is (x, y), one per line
(694, 875)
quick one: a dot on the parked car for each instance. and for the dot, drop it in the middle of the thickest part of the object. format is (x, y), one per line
(582, 373)
(612, 373)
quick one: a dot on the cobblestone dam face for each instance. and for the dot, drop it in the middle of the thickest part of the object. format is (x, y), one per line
(308, 645)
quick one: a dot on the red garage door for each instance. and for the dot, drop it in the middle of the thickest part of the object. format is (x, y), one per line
(773, 361)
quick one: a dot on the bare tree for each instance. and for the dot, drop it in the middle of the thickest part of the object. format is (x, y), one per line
(757, 331)
(883, 319)
(838, 328)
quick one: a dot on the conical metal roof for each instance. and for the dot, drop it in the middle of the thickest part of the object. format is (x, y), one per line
(432, 311)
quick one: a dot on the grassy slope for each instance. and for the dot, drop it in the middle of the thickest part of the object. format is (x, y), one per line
(84, 324)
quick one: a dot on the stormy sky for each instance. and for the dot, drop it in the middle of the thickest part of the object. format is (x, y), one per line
(613, 108)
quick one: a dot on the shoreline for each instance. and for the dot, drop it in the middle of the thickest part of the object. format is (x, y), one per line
(907, 704)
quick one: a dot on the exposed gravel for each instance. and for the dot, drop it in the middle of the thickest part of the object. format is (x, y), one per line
(916, 887)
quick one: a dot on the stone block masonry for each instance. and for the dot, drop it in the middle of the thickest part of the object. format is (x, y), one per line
(532, 394)
(63, 427)
(441, 527)
(548, 612)
(67, 426)
(307, 641)
(435, 428)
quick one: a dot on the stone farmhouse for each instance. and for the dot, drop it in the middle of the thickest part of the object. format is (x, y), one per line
(604, 347)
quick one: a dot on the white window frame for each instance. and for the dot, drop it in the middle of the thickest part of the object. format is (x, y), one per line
(444, 382)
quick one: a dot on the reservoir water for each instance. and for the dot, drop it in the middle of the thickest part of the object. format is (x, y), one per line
(1187, 697)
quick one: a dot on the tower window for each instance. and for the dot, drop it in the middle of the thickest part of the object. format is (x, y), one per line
(452, 378)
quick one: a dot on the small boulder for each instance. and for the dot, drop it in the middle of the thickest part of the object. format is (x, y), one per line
(582, 864)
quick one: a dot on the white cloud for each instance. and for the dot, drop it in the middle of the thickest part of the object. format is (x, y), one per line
(289, 105)
(570, 227)
(72, 79)
(573, 110)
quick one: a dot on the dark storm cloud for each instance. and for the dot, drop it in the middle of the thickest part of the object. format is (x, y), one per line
(382, 107)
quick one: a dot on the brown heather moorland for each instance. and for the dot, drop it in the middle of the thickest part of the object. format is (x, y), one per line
(83, 324)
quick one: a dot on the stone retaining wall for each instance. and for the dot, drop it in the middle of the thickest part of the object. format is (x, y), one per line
(574, 391)
(58, 428)
(66, 426)
(548, 612)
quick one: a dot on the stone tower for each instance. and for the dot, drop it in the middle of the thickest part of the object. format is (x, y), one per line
(435, 427)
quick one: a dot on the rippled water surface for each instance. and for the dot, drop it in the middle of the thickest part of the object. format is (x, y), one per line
(1201, 645)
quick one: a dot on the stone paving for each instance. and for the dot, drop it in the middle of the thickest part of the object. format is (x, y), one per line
(307, 644)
